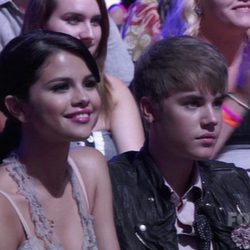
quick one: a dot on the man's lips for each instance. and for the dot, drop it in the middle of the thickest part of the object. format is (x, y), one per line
(207, 139)
(207, 136)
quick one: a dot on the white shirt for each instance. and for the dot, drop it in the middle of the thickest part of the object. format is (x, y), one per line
(185, 210)
(11, 19)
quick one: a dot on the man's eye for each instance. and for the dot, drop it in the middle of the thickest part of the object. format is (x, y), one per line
(60, 87)
(218, 103)
(192, 104)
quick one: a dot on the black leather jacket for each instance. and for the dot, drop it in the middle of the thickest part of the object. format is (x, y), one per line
(145, 216)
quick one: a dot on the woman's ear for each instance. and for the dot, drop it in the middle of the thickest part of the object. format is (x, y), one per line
(148, 109)
(16, 108)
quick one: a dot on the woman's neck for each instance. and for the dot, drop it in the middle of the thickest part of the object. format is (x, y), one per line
(227, 38)
(231, 44)
(46, 163)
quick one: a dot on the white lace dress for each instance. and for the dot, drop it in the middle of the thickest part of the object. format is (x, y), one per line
(43, 227)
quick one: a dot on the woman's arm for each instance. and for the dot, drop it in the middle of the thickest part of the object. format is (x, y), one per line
(242, 93)
(226, 130)
(125, 121)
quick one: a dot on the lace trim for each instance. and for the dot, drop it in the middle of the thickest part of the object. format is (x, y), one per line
(43, 226)
(31, 244)
(86, 218)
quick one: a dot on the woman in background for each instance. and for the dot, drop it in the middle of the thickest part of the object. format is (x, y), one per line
(119, 11)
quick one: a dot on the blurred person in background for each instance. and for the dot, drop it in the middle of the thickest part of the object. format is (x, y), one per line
(224, 24)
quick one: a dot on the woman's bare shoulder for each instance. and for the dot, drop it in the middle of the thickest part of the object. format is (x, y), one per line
(93, 169)
(6, 182)
(88, 158)
(7, 211)
(11, 232)
(7, 188)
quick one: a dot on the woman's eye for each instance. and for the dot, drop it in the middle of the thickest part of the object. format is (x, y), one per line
(60, 87)
(73, 20)
(96, 21)
(90, 84)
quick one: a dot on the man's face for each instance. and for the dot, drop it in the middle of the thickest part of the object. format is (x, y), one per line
(187, 124)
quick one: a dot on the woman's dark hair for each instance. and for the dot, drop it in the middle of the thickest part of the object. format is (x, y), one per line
(20, 64)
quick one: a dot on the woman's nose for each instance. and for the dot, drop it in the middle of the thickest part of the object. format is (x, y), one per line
(86, 32)
(80, 98)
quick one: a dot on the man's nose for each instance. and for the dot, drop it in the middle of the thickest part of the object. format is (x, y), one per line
(211, 116)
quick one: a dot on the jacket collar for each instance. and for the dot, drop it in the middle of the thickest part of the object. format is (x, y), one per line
(145, 163)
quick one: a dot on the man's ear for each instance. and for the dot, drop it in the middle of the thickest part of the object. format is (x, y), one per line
(148, 109)
(16, 108)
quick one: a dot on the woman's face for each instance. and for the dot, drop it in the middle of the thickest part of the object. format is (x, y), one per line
(64, 102)
(233, 13)
(78, 18)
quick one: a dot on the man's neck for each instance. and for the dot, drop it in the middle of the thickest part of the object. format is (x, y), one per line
(179, 176)
(177, 171)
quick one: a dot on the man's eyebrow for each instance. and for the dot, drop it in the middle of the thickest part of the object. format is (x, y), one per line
(192, 96)
(221, 97)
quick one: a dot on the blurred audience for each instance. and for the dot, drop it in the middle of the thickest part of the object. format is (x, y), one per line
(224, 24)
